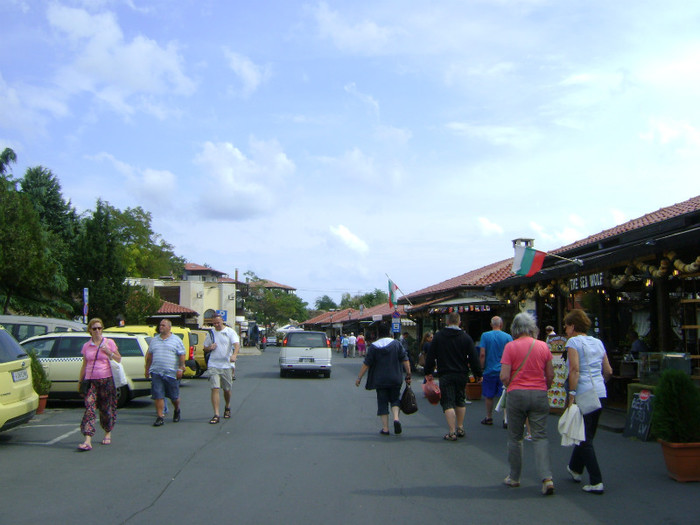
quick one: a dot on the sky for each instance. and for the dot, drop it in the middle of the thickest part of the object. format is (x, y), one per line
(326, 144)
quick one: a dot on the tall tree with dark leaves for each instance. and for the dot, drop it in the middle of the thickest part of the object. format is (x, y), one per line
(97, 265)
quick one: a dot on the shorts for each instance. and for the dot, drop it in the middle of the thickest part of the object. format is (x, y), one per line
(164, 386)
(452, 391)
(221, 378)
(491, 387)
(388, 396)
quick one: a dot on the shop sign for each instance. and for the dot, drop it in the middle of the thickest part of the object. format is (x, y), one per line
(582, 282)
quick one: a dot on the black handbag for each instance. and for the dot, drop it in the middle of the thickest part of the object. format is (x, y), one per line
(83, 387)
(408, 401)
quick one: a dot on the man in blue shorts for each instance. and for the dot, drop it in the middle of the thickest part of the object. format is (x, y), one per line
(165, 363)
(492, 344)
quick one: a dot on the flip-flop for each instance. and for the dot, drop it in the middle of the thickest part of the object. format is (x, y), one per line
(107, 441)
(214, 420)
(84, 447)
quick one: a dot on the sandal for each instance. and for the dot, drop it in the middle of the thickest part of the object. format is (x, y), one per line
(450, 437)
(461, 433)
(214, 420)
(227, 413)
(84, 447)
(487, 421)
(107, 441)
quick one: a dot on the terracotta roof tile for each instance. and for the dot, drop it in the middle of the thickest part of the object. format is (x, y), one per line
(172, 308)
(192, 267)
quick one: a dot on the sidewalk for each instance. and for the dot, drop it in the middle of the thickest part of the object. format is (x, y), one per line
(613, 419)
(249, 350)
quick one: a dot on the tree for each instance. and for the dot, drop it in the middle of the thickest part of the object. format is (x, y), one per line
(325, 303)
(44, 191)
(140, 305)
(6, 157)
(144, 253)
(97, 266)
(367, 300)
(28, 272)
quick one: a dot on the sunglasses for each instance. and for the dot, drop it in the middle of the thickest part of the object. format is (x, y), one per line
(96, 328)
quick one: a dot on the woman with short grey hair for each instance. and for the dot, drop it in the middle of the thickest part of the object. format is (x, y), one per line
(527, 372)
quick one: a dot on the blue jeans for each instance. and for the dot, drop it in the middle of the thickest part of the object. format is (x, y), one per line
(532, 405)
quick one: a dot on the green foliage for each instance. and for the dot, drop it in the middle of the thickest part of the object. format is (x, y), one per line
(143, 252)
(326, 303)
(40, 380)
(675, 416)
(367, 300)
(6, 157)
(98, 267)
(27, 267)
(140, 305)
(275, 306)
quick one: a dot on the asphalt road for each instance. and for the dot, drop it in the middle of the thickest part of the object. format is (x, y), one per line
(307, 450)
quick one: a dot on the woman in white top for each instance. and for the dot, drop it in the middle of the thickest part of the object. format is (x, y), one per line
(589, 368)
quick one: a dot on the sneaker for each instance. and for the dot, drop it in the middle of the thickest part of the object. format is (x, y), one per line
(158, 422)
(574, 476)
(594, 489)
(547, 487)
(528, 437)
(511, 482)
(176, 415)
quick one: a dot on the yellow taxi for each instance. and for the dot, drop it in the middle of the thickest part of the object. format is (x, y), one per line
(18, 401)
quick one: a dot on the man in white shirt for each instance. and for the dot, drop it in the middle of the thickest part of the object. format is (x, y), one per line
(352, 344)
(223, 345)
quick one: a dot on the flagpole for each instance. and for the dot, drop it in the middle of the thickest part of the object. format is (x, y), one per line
(575, 261)
(399, 289)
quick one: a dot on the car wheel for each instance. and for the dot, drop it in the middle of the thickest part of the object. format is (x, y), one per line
(199, 371)
(283, 372)
(327, 374)
(123, 396)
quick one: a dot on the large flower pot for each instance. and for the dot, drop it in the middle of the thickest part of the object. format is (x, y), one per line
(42, 403)
(682, 460)
(473, 391)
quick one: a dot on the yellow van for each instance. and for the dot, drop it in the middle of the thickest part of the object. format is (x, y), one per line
(189, 339)
(18, 401)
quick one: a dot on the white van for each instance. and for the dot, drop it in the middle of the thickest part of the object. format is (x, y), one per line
(305, 352)
(22, 326)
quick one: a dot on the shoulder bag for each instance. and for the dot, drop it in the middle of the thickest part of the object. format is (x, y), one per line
(502, 400)
(588, 401)
(118, 374)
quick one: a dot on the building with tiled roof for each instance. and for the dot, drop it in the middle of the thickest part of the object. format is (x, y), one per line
(272, 285)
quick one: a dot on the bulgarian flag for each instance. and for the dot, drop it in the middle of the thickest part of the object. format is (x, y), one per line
(392, 293)
(527, 261)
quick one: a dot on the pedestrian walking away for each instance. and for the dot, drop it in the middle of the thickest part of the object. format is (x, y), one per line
(527, 373)
(454, 354)
(492, 344)
(165, 364)
(387, 367)
(589, 369)
(101, 394)
(222, 344)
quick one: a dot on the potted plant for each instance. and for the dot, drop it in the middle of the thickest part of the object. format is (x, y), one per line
(40, 380)
(675, 421)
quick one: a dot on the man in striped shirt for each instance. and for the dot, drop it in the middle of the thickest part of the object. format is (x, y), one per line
(165, 363)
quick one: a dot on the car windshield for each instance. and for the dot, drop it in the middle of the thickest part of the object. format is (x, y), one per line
(9, 348)
(305, 339)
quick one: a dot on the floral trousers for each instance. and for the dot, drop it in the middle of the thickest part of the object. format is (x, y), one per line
(102, 396)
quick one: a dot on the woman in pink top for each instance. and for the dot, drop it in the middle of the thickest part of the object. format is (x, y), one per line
(527, 372)
(361, 345)
(101, 393)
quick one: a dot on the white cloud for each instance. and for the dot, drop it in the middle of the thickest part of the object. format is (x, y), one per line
(488, 227)
(350, 240)
(521, 138)
(238, 186)
(368, 100)
(250, 74)
(117, 72)
(364, 36)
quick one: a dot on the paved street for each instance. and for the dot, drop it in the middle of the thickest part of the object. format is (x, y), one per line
(307, 450)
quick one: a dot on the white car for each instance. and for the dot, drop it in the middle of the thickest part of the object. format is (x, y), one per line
(305, 352)
(59, 354)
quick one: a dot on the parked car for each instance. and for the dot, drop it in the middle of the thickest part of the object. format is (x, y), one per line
(305, 351)
(23, 326)
(18, 401)
(272, 340)
(198, 361)
(59, 354)
(189, 340)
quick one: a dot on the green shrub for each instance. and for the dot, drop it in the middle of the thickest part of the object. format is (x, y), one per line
(41, 382)
(675, 414)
